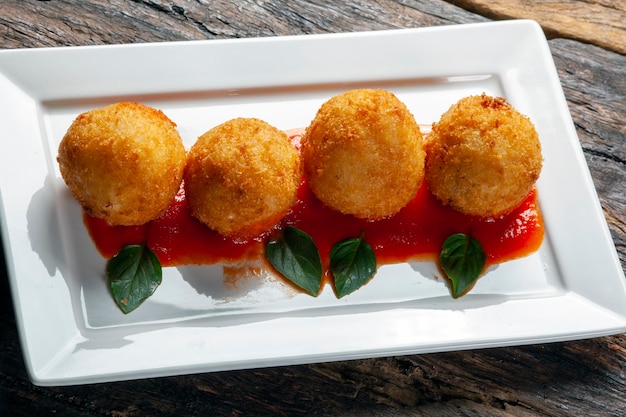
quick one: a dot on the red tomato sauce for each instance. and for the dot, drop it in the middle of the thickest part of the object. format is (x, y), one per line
(416, 232)
(177, 238)
(419, 229)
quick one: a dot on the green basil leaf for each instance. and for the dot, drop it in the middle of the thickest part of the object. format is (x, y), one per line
(353, 263)
(297, 258)
(134, 273)
(463, 260)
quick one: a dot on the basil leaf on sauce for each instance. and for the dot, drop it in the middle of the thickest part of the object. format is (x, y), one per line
(463, 260)
(134, 273)
(297, 258)
(353, 263)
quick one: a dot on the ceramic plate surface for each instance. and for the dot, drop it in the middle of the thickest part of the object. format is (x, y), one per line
(199, 321)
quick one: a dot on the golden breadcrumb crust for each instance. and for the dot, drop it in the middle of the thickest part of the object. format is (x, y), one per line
(363, 154)
(123, 162)
(482, 157)
(242, 177)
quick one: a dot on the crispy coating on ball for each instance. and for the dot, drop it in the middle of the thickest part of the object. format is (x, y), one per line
(363, 154)
(482, 157)
(123, 162)
(242, 177)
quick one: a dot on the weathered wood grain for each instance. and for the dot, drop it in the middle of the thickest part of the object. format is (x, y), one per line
(34, 23)
(76, 22)
(598, 22)
(582, 378)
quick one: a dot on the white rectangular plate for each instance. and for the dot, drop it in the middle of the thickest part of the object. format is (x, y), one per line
(197, 321)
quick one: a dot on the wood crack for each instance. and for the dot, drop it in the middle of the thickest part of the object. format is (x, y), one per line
(180, 13)
(604, 155)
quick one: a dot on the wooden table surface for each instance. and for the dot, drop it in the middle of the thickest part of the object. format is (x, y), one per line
(585, 378)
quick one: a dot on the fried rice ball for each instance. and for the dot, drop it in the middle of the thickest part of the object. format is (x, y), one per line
(363, 154)
(242, 177)
(123, 162)
(482, 157)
